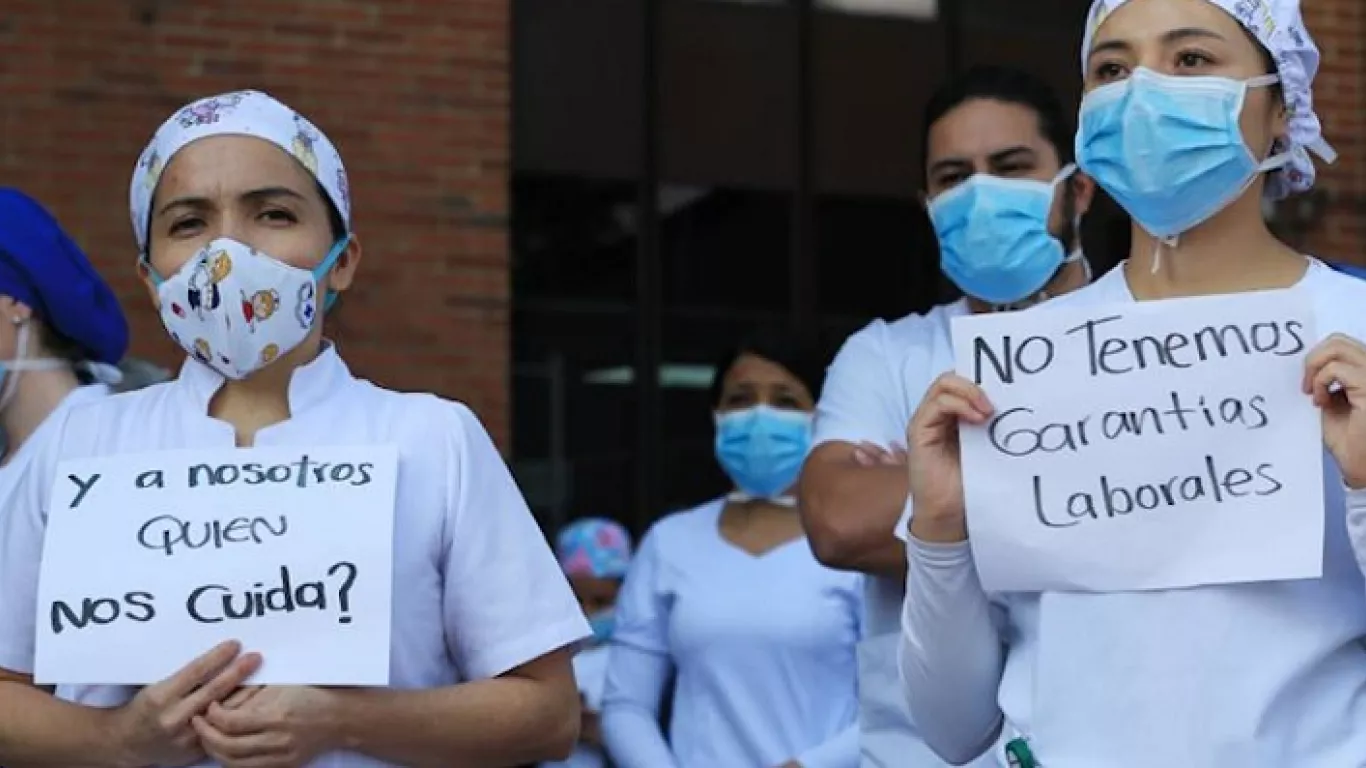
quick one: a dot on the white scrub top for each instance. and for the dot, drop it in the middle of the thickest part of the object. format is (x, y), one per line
(871, 391)
(477, 590)
(11, 473)
(1264, 674)
(762, 650)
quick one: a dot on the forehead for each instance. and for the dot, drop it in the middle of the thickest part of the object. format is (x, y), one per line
(230, 165)
(1138, 20)
(752, 369)
(981, 127)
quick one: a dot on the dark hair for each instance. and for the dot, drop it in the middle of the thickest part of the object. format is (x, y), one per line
(63, 348)
(1009, 85)
(334, 217)
(795, 352)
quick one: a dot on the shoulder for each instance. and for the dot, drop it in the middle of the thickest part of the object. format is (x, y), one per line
(1110, 288)
(682, 530)
(1338, 298)
(909, 330)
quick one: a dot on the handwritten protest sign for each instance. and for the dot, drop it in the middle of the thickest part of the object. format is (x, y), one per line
(150, 560)
(1141, 446)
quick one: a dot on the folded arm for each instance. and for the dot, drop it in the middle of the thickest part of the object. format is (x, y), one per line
(850, 511)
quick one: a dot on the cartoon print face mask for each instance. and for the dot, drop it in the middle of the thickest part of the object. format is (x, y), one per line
(236, 309)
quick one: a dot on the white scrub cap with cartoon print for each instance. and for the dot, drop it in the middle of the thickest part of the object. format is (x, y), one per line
(241, 113)
(1279, 27)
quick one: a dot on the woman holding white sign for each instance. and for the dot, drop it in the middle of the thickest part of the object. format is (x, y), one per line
(242, 214)
(1195, 111)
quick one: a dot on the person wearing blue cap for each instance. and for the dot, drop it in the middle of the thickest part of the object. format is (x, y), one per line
(62, 333)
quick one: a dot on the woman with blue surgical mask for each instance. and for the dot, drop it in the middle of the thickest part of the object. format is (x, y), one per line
(595, 554)
(1195, 113)
(241, 212)
(728, 600)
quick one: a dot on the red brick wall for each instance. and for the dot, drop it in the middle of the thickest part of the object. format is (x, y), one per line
(414, 92)
(1339, 26)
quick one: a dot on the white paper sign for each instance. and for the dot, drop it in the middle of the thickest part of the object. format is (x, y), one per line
(1140, 446)
(150, 560)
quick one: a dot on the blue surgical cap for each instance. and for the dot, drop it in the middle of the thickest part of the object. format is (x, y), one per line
(43, 268)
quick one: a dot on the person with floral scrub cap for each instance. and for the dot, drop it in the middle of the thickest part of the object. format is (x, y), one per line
(242, 215)
(1195, 112)
(595, 554)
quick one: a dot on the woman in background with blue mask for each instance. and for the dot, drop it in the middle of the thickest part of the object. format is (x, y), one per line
(62, 332)
(729, 598)
(1196, 111)
(595, 554)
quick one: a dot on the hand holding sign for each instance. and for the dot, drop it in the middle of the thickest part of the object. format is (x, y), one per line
(935, 468)
(1335, 375)
(154, 728)
(277, 725)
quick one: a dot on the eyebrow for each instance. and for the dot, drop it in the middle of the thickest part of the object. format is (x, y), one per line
(255, 195)
(1169, 37)
(1013, 153)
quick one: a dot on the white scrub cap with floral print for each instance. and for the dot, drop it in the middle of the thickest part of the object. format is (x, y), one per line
(1279, 27)
(241, 113)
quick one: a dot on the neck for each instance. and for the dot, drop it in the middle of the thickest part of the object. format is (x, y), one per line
(1230, 253)
(1070, 277)
(37, 394)
(261, 399)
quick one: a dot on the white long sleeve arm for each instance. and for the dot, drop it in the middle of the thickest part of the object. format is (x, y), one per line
(636, 682)
(1356, 524)
(950, 656)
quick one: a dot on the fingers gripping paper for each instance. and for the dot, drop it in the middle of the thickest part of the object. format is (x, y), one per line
(1143, 446)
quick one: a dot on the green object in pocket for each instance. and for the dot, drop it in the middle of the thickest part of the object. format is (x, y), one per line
(1019, 755)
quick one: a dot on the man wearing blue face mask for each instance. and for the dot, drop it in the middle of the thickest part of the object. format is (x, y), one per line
(1006, 202)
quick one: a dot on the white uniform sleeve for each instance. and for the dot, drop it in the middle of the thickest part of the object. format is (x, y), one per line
(862, 399)
(506, 602)
(1356, 525)
(950, 656)
(639, 667)
(23, 524)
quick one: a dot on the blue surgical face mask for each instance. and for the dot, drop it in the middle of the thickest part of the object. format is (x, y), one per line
(1170, 149)
(603, 623)
(762, 448)
(994, 242)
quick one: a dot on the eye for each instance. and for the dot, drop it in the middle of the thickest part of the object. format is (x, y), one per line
(186, 226)
(1108, 71)
(949, 180)
(279, 216)
(736, 399)
(1011, 170)
(787, 403)
(1193, 60)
